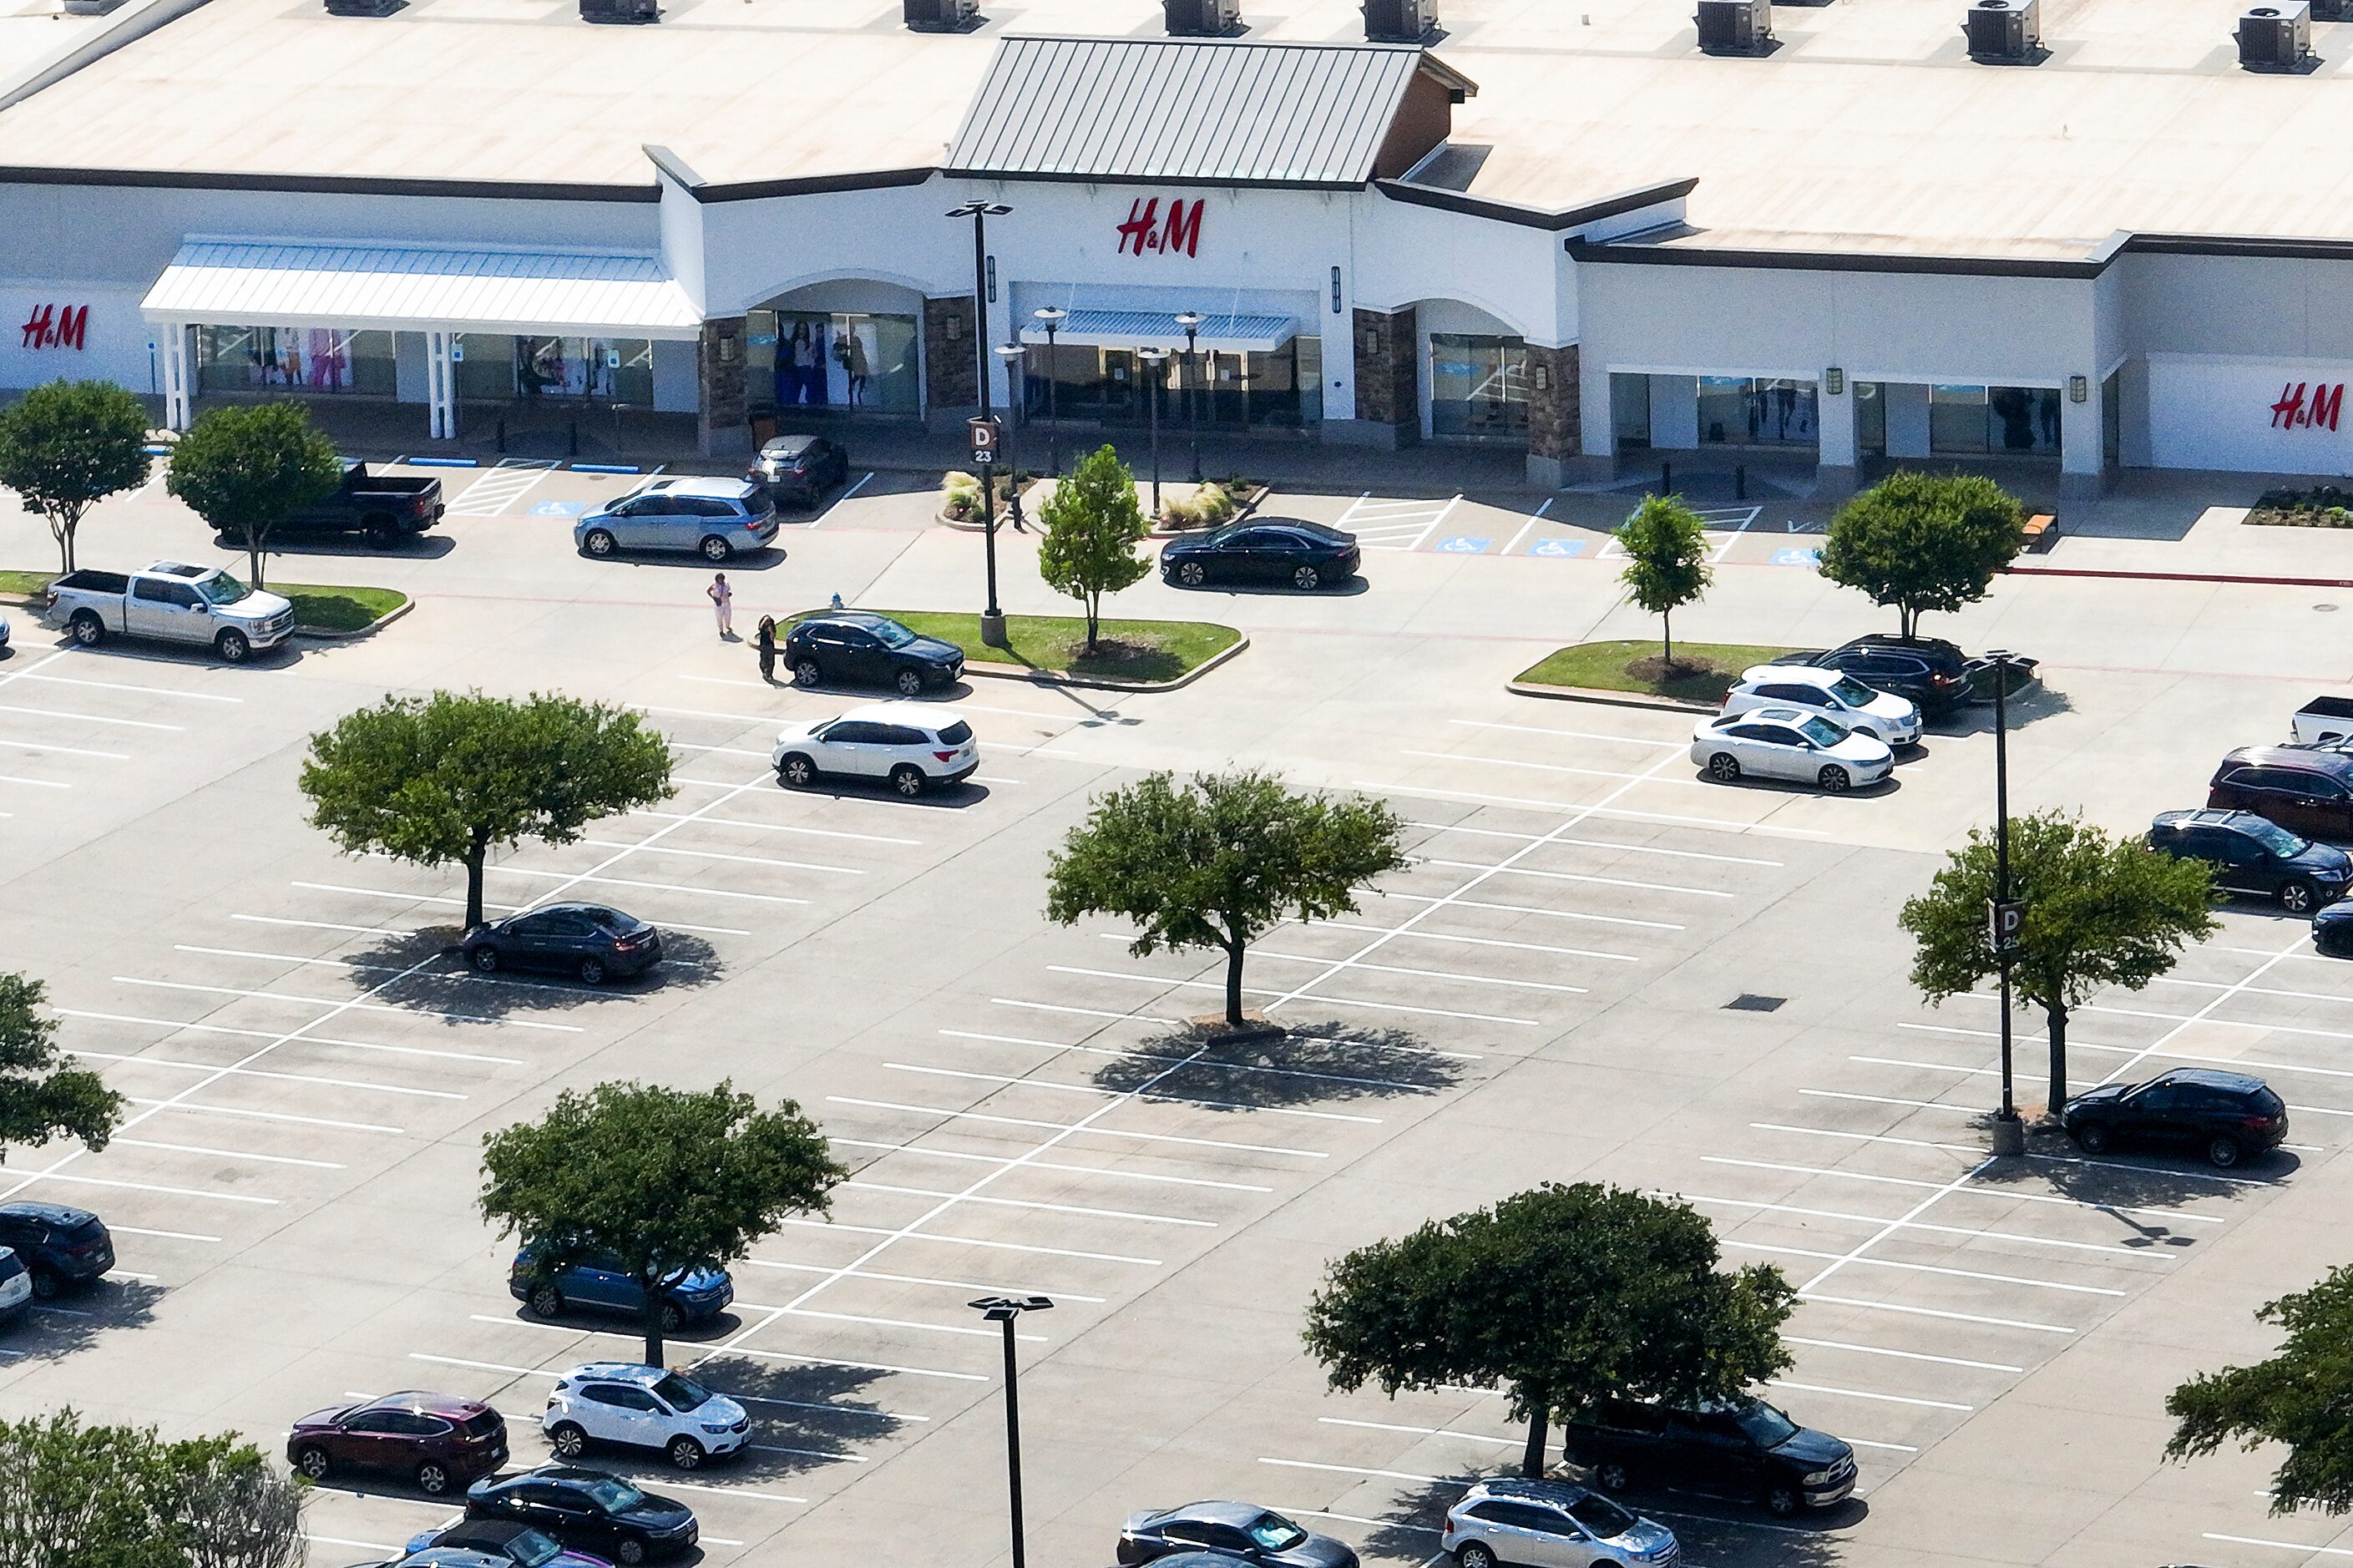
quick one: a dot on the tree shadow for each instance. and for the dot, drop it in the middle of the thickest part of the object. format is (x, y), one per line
(1309, 1064)
(71, 1323)
(409, 547)
(448, 987)
(2123, 1181)
(1976, 718)
(804, 1417)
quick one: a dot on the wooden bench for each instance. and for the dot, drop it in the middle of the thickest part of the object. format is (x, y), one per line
(2042, 532)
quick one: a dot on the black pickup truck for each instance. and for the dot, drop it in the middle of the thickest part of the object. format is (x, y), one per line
(381, 509)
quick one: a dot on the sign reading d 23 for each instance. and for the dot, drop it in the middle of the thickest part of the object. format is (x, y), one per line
(56, 327)
(2294, 412)
(1147, 232)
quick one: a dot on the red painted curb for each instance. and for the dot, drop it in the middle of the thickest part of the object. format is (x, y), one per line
(2180, 577)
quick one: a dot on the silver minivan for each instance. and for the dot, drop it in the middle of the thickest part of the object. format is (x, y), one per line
(714, 518)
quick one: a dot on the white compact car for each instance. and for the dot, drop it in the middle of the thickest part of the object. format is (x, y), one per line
(1832, 693)
(1790, 743)
(642, 1407)
(912, 746)
(16, 1285)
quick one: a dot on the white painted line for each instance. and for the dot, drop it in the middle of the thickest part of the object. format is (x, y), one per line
(331, 925)
(780, 1355)
(744, 1398)
(1581, 877)
(1559, 768)
(715, 854)
(779, 827)
(1535, 518)
(170, 1236)
(2283, 1545)
(1882, 1398)
(1933, 1312)
(2003, 1194)
(1421, 973)
(1084, 1011)
(1566, 808)
(1292, 1511)
(1906, 1355)
(576, 877)
(1919, 1224)
(891, 1323)
(707, 713)
(1894, 1100)
(1863, 1137)
(1156, 1098)
(1209, 1064)
(30, 1176)
(46, 748)
(175, 1025)
(1421, 1431)
(33, 783)
(1682, 745)
(1596, 843)
(1154, 1176)
(354, 1003)
(1867, 1443)
(853, 1365)
(669, 1481)
(2139, 1051)
(1078, 1127)
(125, 686)
(852, 491)
(265, 1072)
(969, 1241)
(1285, 995)
(1863, 1261)
(354, 1545)
(985, 1290)
(189, 1105)
(1467, 941)
(222, 1154)
(1363, 1471)
(93, 718)
(437, 898)
(2251, 990)
(1526, 909)
(994, 1201)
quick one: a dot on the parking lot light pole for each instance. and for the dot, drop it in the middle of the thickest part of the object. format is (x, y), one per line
(1190, 376)
(1157, 359)
(1015, 405)
(2009, 1132)
(1051, 318)
(1004, 1310)
(992, 620)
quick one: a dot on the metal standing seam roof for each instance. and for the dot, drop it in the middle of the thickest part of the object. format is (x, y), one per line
(261, 283)
(1170, 109)
(1145, 329)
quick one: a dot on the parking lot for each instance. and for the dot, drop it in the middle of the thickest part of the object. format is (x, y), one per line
(1599, 966)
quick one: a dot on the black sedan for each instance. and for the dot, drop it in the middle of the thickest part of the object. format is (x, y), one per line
(2332, 930)
(1231, 1529)
(2252, 855)
(797, 470)
(589, 941)
(588, 1510)
(1302, 555)
(854, 648)
(2226, 1116)
(1930, 672)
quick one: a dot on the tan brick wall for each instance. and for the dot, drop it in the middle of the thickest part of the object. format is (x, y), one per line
(1386, 390)
(949, 382)
(1555, 403)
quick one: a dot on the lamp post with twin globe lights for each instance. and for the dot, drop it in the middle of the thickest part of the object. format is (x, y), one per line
(2004, 915)
(1005, 1310)
(1157, 358)
(1189, 377)
(1051, 317)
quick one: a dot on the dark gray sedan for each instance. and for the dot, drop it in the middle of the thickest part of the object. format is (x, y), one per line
(589, 941)
(1234, 1530)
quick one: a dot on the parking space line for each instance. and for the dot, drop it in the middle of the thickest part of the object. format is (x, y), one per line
(1906, 1355)
(1508, 870)
(1560, 768)
(224, 1154)
(34, 783)
(354, 1545)
(1420, 1431)
(733, 1348)
(283, 1077)
(1366, 1470)
(330, 925)
(1863, 1137)
(715, 854)
(1598, 843)
(1424, 973)
(1860, 1260)
(921, 1280)
(64, 750)
(1911, 1311)
(861, 1184)
(1912, 1224)
(165, 1234)
(575, 877)
(53, 1176)
(1283, 996)
(175, 1025)
(781, 827)
(440, 899)
(1523, 910)
(2247, 990)
(1210, 1066)
(937, 1237)
(94, 719)
(2003, 1194)
(2283, 1545)
(1084, 1011)
(2138, 1050)
(962, 1329)
(1893, 1099)
(1567, 808)
(125, 685)
(1470, 940)
(1881, 1398)
(744, 1398)
(730, 1491)
(354, 1003)
(202, 1109)
(1360, 1518)
(1072, 1126)
(1569, 734)
(1154, 1176)
(1160, 1095)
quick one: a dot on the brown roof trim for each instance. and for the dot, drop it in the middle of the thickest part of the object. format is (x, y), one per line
(2225, 245)
(814, 185)
(1534, 217)
(1835, 261)
(327, 185)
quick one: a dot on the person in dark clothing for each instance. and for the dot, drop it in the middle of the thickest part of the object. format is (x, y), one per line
(765, 637)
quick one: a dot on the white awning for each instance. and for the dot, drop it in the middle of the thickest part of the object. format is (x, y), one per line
(397, 288)
(1149, 329)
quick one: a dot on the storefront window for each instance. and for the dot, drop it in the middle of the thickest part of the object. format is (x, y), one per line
(1478, 385)
(2005, 419)
(1630, 410)
(833, 360)
(1220, 390)
(592, 370)
(1745, 411)
(296, 359)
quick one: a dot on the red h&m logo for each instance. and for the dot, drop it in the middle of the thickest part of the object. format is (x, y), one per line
(1147, 232)
(56, 327)
(2293, 413)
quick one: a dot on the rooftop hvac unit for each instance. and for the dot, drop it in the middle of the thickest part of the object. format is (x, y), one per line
(1400, 21)
(338, 7)
(2275, 37)
(620, 10)
(940, 15)
(1735, 27)
(1203, 18)
(2004, 32)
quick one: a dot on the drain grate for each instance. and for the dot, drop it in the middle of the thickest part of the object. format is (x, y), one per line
(1749, 1002)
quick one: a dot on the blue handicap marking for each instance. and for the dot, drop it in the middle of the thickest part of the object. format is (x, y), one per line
(1463, 544)
(1557, 547)
(560, 508)
(1796, 558)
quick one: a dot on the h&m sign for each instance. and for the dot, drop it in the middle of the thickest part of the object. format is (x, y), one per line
(1150, 232)
(56, 327)
(2294, 412)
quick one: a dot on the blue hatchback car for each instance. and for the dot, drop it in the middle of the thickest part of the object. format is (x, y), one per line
(599, 1281)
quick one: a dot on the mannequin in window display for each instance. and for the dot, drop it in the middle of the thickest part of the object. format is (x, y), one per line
(852, 348)
(820, 368)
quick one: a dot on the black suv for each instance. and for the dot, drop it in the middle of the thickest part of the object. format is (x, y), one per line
(852, 648)
(797, 470)
(2304, 790)
(2226, 1115)
(66, 1249)
(2254, 855)
(1930, 671)
(1744, 1450)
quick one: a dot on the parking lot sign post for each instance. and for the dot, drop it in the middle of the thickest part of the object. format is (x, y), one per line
(985, 436)
(985, 433)
(2005, 916)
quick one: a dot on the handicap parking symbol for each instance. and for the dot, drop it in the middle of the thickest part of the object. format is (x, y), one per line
(1796, 558)
(1558, 548)
(560, 508)
(1463, 544)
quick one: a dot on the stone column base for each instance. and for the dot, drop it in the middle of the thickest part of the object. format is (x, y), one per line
(1371, 433)
(1551, 473)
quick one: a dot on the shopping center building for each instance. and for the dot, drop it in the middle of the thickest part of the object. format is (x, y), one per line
(1558, 227)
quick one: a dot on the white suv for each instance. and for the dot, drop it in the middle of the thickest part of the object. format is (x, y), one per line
(912, 746)
(642, 1407)
(1552, 1525)
(1836, 695)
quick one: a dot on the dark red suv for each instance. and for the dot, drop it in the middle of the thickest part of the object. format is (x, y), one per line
(436, 1439)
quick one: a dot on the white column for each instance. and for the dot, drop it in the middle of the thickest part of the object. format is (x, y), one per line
(1674, 413)
(441, 384)
(1907, 418)
(2083, 457)
(178, 415)
(1835, 468)
(1596, 414)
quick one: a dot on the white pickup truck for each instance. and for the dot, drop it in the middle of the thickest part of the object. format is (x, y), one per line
(2323, 721)
(170, 602)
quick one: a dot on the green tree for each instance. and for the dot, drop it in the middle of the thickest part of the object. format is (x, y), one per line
(79, 1496)
(2297, 1398)
(244, 469)
(1923, 542)
(68, 445)
(1093, 527)
(668, 1180)
(1666, 561)
(1566, 1295)
(1216, 862)
(2100, 912)
(438, 780)
(39, 1098)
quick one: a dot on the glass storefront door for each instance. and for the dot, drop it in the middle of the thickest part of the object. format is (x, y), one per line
(1749, 411)
(1478, 386)
(832, 360)
(2011, 420)
(1221, 390)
